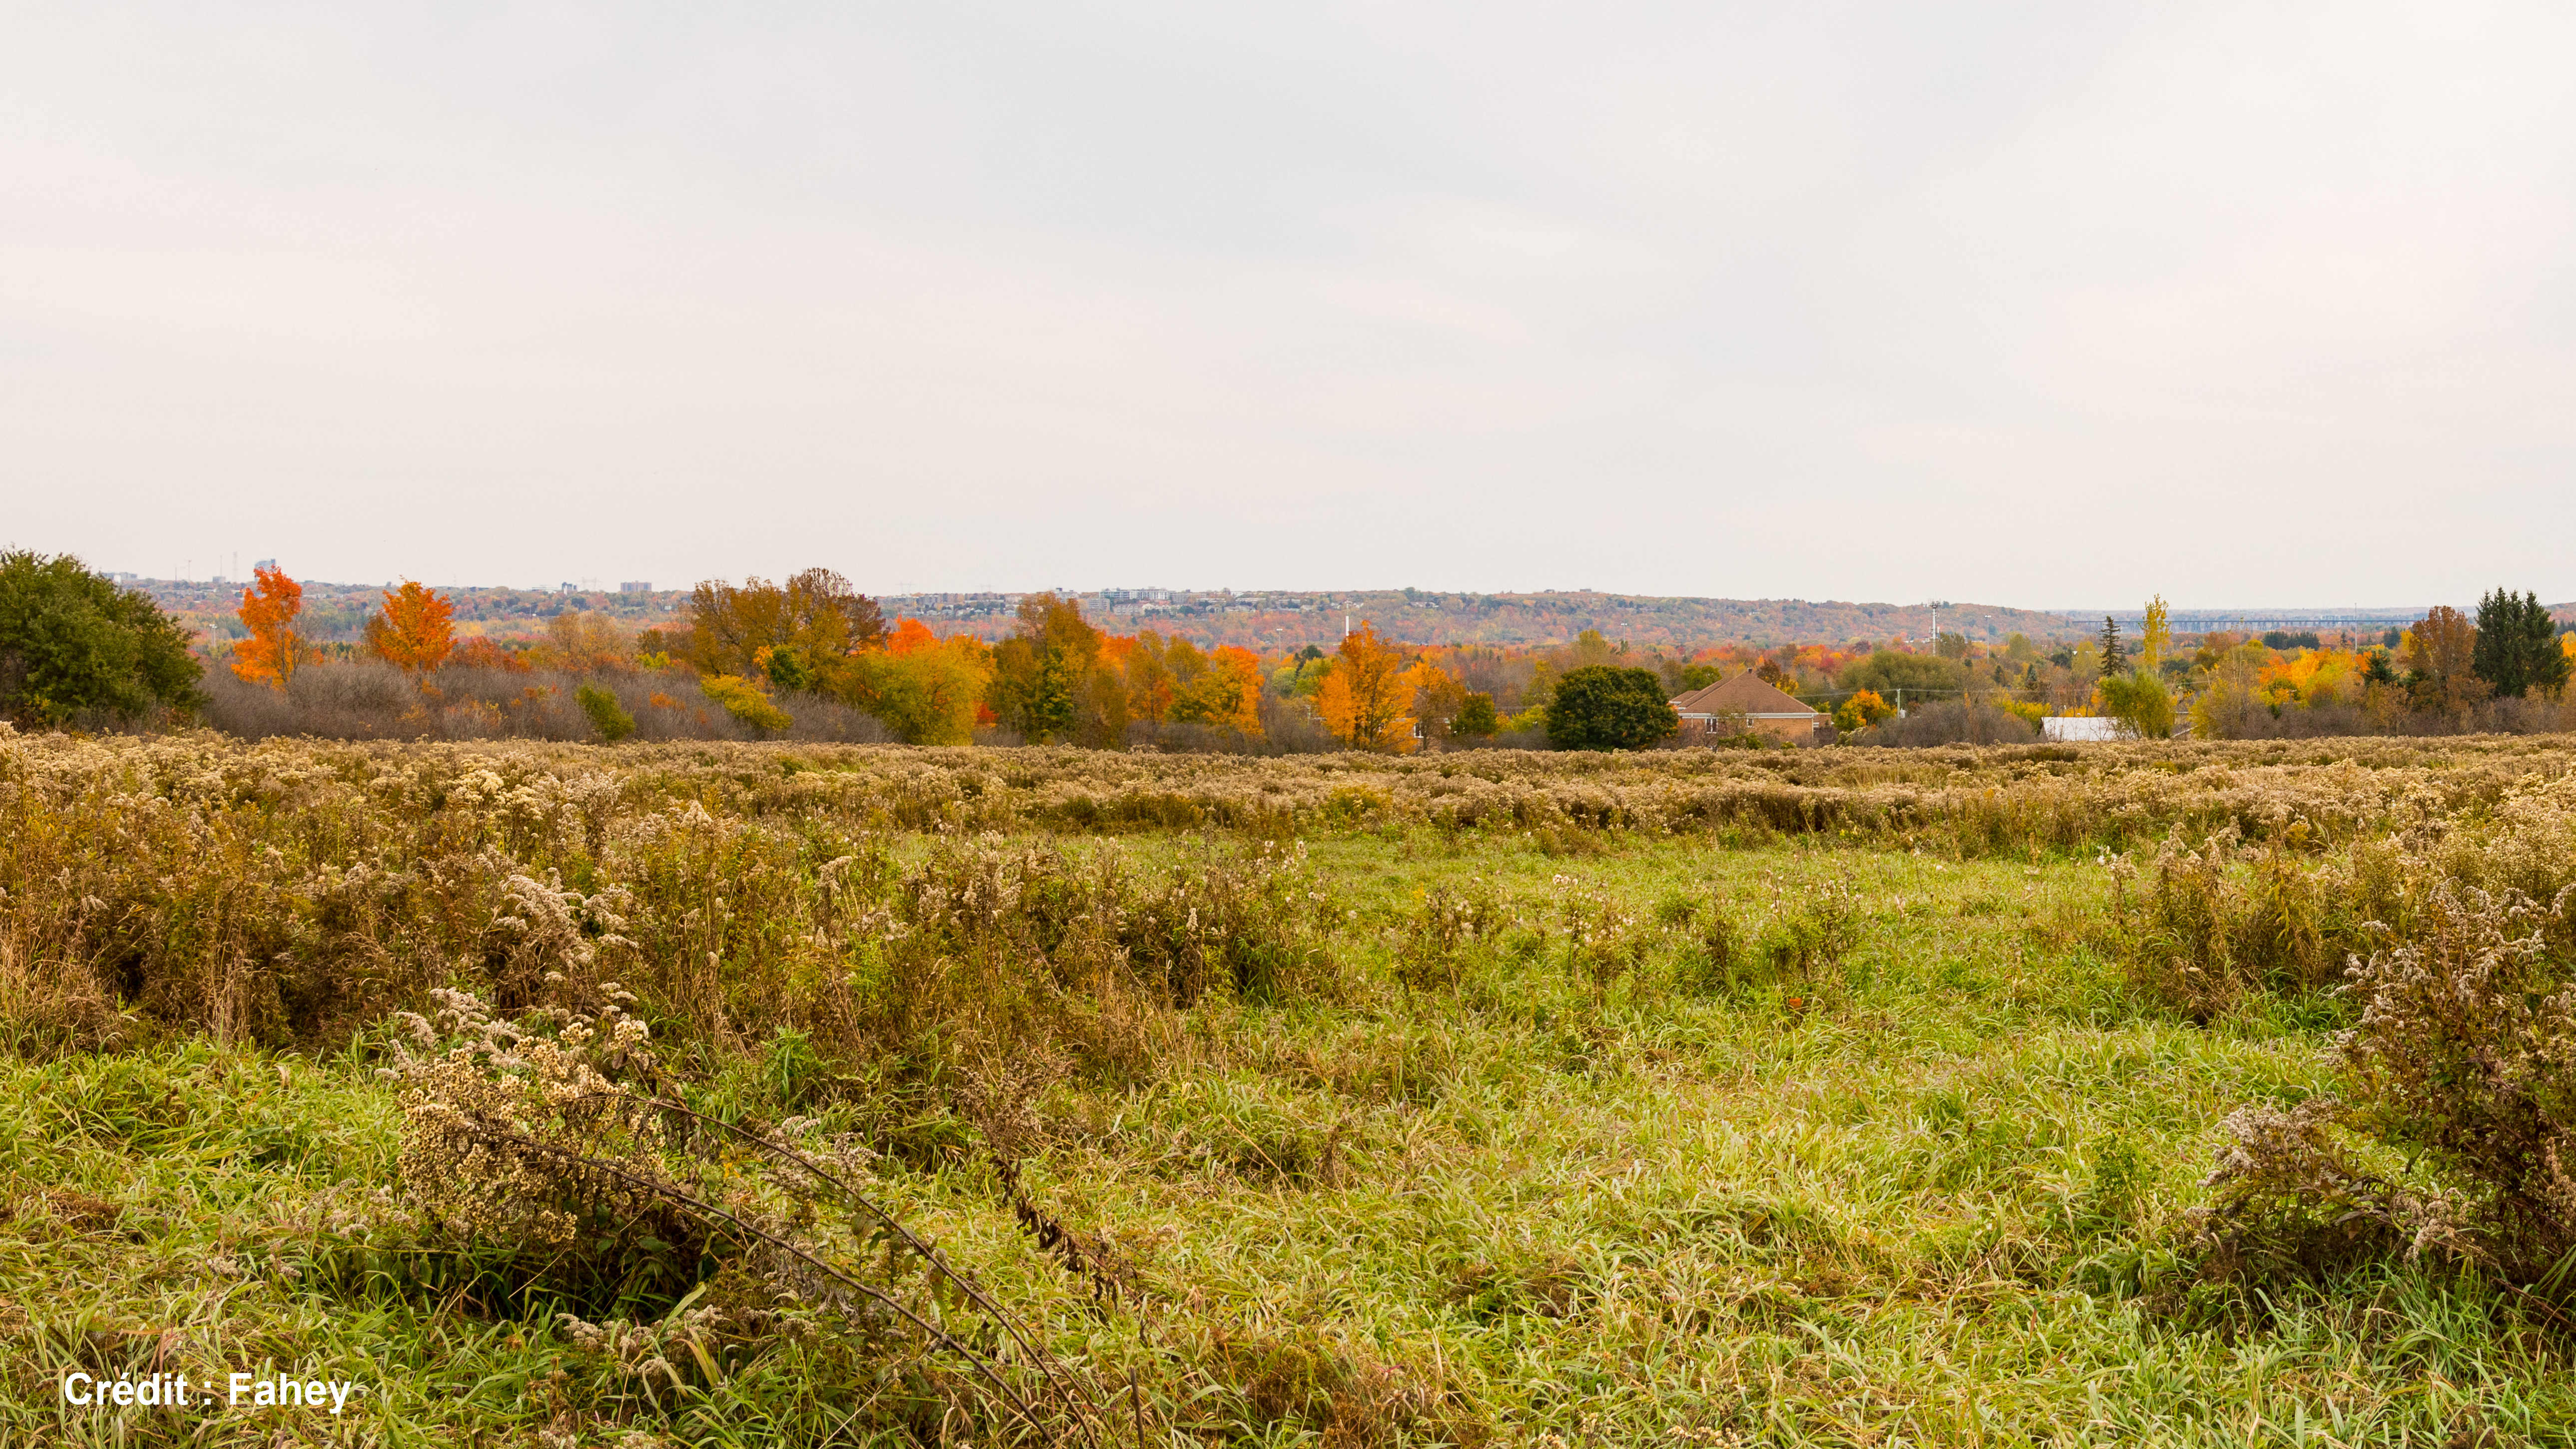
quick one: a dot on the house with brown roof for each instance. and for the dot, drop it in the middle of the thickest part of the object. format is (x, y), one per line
(1749, 702)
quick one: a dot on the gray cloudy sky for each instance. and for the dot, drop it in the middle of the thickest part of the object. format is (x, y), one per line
(2042, 304)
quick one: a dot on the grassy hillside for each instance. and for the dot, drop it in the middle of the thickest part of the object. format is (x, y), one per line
(1479, 1099)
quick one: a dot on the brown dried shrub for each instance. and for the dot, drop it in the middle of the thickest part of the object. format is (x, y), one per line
(2462, 1068)
(553, 1150)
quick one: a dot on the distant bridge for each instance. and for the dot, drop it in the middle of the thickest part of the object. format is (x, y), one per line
(2202, 621)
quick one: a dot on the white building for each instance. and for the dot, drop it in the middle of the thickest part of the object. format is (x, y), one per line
(2085, 729)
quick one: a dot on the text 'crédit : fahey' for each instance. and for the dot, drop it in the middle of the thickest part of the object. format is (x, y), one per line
(178, 1391)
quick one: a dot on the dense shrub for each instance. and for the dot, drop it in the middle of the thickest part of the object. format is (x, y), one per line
(748, 702)
(606, 715)
(1598, 707)
(987, 971)
(2458, 1130)
(1442, 929)
(73, 644)
(293, 894)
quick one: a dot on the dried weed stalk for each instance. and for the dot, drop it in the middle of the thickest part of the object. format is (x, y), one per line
(558, 1135)
(2462, 1086)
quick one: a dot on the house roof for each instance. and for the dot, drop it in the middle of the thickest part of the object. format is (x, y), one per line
(1747, 693)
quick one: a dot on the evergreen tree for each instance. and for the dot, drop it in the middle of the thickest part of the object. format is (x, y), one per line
(2112, 655)
(2517, 645)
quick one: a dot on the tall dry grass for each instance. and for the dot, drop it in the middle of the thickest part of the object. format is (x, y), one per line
(819, 932)
(296, 890)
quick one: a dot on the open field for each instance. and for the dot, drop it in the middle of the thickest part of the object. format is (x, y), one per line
(1695, 1098)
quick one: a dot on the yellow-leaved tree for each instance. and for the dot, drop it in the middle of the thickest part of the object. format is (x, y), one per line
(926, 689)
(1364, 698)
(1224, 689)
(811, 627)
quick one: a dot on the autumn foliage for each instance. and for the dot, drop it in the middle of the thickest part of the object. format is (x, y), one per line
(583, 643)
(415, 632)
(1059, 678)
(275, 646)
(476, 651)
(1364, 699)
(812, 626)
(928, 690)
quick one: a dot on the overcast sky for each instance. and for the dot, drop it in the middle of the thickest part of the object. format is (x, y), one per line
(2045, 304)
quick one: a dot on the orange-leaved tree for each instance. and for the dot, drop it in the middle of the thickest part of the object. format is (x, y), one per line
(275, 645)
(1151, 682)
(1363, 700)
(415, 632)
(477, 651)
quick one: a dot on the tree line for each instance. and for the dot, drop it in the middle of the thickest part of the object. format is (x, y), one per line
(74, 645)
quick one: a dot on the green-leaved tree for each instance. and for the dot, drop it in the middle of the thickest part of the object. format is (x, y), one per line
(1476, 718)
(73, 643)
(1599, 707)
(1042, 674)
(2139, 700)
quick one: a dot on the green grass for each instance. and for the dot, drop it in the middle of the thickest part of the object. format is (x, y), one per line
(1934, 1196)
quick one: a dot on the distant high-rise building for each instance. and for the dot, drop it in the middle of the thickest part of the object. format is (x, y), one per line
(635, 586)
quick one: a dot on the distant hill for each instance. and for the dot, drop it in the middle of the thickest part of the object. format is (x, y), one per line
(1277, 620)
(338, 612)
(1289, 619)
(1272, 620)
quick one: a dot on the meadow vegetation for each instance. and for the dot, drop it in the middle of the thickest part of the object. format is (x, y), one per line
(810, 657)
(798, 1092)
